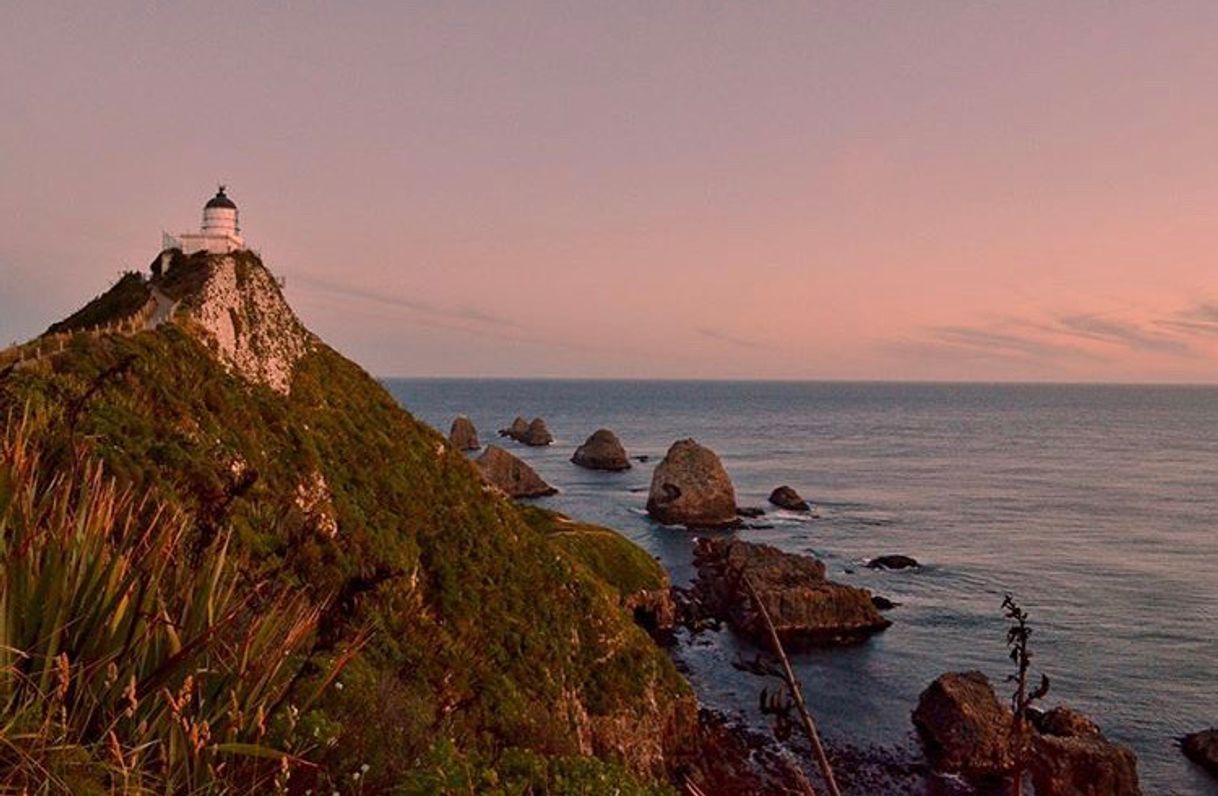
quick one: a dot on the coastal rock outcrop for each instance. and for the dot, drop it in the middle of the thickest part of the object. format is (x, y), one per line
(238, 311)
(967, 730)
(527, 432)
(602, 451)
(504, 471)
(804, 607)
(536, 435)
(1083, 764)
(690, 487)
(964, 727)
(463, 435)
(1066, 722)
(784, 497)
(516, 430)
(1202, 749)
(653, 609)
(893, 562)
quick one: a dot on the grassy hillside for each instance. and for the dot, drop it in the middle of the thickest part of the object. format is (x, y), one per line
(495, 656)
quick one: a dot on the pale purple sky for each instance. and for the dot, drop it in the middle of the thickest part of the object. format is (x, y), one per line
(913, 190)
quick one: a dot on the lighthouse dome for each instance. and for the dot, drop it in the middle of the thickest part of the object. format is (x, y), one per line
(220, 200)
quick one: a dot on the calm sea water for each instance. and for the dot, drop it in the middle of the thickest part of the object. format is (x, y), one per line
(1097, 506)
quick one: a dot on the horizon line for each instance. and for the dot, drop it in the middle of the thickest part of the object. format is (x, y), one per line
(745, 380)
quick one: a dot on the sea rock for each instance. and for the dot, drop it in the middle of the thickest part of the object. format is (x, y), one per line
(787, 498)
(504, 471)
(654, 610)
(690, 487)
(1085, 765)
(516, 430)
(536, 435)
(602, 451)
(1066, 722)
(1202, 749)
(882, 603)
(463, 435)
(964, 727)
(966, 730)
(892, 562)
(804, 607)
(750, 511)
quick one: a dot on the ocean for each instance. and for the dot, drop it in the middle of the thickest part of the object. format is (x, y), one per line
(1096, 506)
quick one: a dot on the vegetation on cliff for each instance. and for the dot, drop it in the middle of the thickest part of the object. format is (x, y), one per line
(471, 643)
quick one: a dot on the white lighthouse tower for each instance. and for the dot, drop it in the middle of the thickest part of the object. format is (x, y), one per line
(219, 234)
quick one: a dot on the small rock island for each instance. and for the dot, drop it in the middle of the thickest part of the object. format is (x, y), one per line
(602, 451)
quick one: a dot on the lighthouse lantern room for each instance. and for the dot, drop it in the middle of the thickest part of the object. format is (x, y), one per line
(219, 234)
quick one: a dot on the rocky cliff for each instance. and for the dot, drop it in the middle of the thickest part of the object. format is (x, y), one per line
(477, 648)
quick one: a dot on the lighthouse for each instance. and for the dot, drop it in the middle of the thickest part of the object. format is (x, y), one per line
(220, 233)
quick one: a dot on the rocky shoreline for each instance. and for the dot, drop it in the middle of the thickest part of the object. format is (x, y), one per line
(962, 740)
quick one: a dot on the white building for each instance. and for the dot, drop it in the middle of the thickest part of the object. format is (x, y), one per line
(219, 234)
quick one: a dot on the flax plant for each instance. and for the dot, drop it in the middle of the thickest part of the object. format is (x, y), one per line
(130, 660)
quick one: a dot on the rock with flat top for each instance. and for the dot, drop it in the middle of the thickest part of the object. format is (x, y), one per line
(804, 607)
(892, 562)
(602, 451)
(690, 487)
(463, 435)
(504, 471)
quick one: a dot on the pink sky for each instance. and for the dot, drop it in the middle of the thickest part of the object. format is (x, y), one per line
(770, 190)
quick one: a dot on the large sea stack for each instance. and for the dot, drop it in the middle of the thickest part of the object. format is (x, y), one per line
(516, 429)
(463, 435)
(691, 488)
(602, 451)
(536, 435)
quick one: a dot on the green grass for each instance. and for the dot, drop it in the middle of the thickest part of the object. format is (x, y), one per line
(487, 632)
(606, 554)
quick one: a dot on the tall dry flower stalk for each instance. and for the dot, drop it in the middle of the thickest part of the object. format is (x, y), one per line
(1018, 636)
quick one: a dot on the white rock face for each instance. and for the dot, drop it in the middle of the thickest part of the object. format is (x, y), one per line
(248, 324)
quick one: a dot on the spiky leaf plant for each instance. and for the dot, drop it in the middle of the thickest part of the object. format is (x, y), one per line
(130, 659)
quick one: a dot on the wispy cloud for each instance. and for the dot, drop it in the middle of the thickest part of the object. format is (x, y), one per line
(731, 339)
(1072, 337)
(1129, 334)
(1201, 319)
(457, 313)
(1005, 343)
